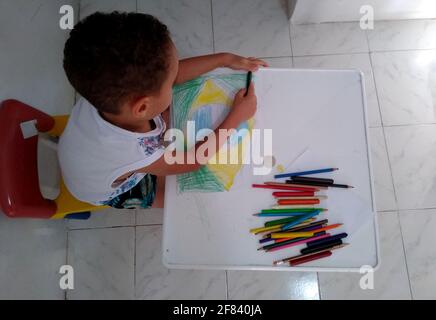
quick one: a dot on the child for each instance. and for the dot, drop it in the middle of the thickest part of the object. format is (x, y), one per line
(124, 66)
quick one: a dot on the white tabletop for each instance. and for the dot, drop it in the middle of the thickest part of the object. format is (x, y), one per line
(318, 119)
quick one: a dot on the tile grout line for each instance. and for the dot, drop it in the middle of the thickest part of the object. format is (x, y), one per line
(329, 54)
(213, 29)
(403, 50)
(227, 286)
(79, 4)
(341, 53)
(357, 21)
(416, 209)
(409, 125)
(116, 227)
(290, 35)
(389, 164)
(367, 41)
(78, 9)
(390, 168)
(66, 258)
(381, 121)
(359, 52)
(319, 288)
(405, 255)
(274, 57)
(407, 209)
(134, 263)
(150, 225)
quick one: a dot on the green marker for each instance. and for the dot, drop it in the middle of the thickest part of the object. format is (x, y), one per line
(249, 75)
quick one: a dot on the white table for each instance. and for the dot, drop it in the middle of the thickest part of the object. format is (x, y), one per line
(318, 119)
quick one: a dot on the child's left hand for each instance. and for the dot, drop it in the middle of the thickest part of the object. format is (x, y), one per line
(236, 62)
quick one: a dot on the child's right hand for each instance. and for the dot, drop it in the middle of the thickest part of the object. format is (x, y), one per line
(244, 107)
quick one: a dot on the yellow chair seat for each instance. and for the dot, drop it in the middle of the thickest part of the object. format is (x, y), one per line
(66, 203)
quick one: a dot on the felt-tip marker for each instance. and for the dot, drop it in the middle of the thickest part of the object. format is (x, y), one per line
(249, 76)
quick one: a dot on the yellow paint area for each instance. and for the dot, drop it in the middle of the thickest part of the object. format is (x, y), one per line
(280, 168)
(211, 94)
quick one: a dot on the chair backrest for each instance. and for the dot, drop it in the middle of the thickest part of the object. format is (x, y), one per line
(20, 194)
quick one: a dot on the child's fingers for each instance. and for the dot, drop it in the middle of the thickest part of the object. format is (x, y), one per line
(250, 91)
(263, 63)
(258, 61)
(254, 65)
(240, 93)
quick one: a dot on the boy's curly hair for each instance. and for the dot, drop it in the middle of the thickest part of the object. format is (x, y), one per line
(113, 58)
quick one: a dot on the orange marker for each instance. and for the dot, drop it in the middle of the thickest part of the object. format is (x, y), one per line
(297, 201)
(293, 194)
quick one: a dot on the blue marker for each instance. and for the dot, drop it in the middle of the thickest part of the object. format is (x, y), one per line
(299, 220)
(284, 214)
(304, 173)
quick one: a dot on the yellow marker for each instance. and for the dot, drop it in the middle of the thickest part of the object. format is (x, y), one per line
(291, 235)
(262, 229)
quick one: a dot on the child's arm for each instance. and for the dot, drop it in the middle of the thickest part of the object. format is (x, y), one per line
(192, 68)
(244, 107)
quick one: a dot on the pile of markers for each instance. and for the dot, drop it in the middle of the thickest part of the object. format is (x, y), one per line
(296, 218)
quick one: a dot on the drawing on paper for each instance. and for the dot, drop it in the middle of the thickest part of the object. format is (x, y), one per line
(207, 101)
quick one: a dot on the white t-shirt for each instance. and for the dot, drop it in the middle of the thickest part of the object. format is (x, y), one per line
(93, 153)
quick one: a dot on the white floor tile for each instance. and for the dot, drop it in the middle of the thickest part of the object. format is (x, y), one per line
(328, 38)
(88, 7)
(412, 150)
(149, 216)
(189, 21)
(390, 279)
(31, 53)
(251, 27)
(402, 35)
(348, 61)
(154, 281)
(282, 62)
(31, 253)
(105, 218)
(419, 237)
(103, 262)
(406, 85)
(381, 172)
(270, 285)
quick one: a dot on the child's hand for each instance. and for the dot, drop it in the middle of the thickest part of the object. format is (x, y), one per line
(236, 62)
(244, 106)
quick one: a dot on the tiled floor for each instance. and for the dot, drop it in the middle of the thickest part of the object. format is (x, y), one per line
(117, 254)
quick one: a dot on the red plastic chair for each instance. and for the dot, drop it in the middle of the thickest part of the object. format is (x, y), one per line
(20, 194)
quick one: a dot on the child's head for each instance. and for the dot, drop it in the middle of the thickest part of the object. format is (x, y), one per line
(123, 63)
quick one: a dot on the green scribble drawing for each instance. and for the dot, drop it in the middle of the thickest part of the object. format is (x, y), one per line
(207, 100)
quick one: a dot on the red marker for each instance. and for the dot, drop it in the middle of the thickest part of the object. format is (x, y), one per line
(310, 258)
(270, 186)
(293, 194)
